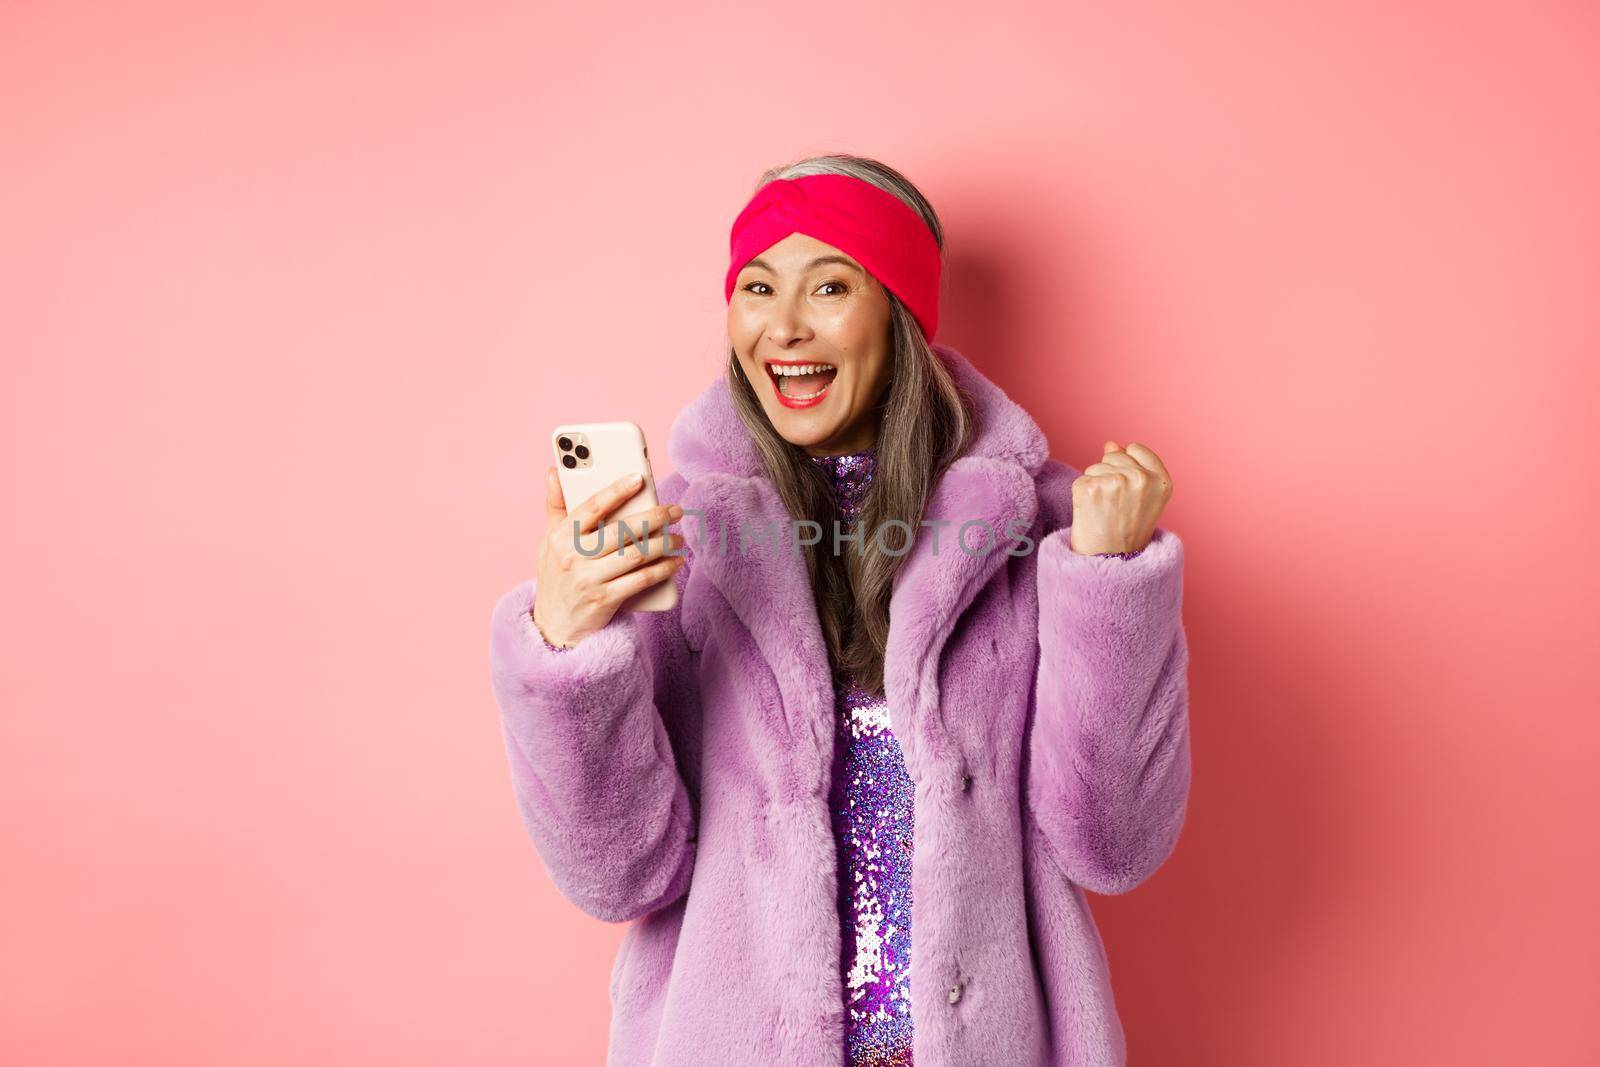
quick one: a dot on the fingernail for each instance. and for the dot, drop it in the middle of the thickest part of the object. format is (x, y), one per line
(675, 512)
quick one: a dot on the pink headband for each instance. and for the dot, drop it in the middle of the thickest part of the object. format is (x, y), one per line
(875, 227)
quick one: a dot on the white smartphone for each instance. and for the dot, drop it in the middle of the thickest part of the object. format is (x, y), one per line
(592, 455)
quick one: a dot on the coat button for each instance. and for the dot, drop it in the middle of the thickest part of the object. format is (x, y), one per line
(966, 782)
(955, 992)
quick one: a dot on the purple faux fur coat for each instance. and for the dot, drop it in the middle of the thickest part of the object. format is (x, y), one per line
(672, 769)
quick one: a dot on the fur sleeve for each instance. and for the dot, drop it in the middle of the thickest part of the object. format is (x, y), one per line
(1109, 768)
(594, 765)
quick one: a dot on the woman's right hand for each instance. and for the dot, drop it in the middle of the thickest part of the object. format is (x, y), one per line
(577, 594)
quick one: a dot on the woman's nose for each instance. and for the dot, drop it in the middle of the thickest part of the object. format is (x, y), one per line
(788, 322)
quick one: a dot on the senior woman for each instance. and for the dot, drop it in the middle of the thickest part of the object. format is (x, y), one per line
(922, 688)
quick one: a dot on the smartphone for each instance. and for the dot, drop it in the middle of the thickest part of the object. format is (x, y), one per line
(589, 457)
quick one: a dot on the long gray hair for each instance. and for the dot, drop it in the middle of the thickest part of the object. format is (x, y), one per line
(925, 422)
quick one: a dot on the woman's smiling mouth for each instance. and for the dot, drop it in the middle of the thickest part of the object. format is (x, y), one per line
(800, 383)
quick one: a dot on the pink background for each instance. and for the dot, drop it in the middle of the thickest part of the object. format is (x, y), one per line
(292, 295)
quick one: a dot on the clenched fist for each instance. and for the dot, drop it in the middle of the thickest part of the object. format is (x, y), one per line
(1117, 502)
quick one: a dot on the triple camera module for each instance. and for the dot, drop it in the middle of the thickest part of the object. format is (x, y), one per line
(573, 451)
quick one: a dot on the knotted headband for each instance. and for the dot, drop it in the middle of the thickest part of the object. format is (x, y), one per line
(875, 227)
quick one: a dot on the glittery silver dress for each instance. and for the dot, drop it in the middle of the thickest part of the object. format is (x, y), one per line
(871, 807)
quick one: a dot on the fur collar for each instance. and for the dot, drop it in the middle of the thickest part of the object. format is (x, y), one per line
(767, 587)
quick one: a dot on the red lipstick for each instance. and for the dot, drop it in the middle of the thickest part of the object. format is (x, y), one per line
(808, 400)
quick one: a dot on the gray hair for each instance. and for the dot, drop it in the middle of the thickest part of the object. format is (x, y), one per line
(926, 422)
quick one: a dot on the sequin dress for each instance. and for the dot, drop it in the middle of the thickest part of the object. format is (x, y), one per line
(870, 803)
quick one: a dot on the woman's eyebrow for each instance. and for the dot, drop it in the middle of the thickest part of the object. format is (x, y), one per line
(814, 264)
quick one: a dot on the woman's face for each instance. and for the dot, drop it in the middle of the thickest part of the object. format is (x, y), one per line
(804, 306)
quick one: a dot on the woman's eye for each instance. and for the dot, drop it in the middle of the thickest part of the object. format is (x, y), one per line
(759, 287)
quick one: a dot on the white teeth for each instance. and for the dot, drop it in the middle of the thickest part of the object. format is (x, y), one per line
(804, 368)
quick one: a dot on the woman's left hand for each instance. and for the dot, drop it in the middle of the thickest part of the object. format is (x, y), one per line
(1117, 502)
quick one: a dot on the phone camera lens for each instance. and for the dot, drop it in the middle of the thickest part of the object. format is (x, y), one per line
(565, 443)
(568, 462)
(582, 451)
